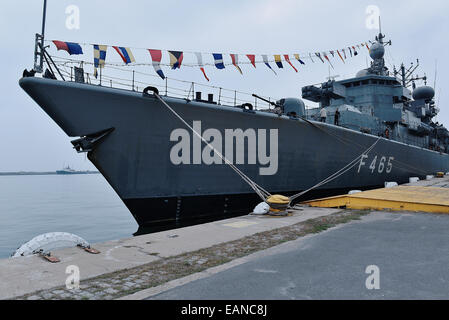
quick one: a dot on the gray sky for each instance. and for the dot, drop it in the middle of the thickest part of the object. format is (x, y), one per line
(30, 140)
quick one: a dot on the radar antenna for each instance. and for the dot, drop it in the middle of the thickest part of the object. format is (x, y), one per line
(436, 71)
(406, 75)
(381, 36)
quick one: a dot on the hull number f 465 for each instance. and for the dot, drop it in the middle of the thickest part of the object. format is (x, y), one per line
(379, 164)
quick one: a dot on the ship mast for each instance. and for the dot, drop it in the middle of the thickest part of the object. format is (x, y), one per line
(39, 44)
(381, 36)
(377, 52)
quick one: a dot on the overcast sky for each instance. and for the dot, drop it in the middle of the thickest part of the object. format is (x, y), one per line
(30, 140)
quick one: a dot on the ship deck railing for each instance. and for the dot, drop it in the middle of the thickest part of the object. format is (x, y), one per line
(122, 77)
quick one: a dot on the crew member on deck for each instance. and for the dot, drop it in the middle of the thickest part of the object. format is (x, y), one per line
(323, 114)
(337, 117)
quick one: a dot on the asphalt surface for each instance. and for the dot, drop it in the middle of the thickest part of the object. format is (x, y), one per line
(411, 252)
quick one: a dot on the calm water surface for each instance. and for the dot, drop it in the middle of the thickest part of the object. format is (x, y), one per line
(81, 204)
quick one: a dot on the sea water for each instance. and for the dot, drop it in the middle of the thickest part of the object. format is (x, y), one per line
(84, 205)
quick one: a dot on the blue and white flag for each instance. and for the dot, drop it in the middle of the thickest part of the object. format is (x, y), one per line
(265, 60)
(319, 56)
(218, 57)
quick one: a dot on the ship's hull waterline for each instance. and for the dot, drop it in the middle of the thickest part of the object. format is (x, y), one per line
(135, 157)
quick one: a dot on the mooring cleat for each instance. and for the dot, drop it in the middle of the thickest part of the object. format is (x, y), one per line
(92, 250)
(89, 249)
(49, 257)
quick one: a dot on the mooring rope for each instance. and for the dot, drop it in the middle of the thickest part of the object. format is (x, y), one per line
(337, 174)
(261, 192)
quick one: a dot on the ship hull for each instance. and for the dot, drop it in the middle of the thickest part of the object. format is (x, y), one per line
(182, 210)
(136, 156)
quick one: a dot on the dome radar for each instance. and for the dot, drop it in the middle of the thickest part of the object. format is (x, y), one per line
(377, 51)
(362, 73)
(423, 93)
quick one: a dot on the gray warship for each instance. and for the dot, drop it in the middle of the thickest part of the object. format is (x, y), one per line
(134, 140)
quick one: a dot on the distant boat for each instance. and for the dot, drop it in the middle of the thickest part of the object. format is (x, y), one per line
(68, 170)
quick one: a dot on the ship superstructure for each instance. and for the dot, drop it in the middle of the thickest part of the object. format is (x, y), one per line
(382, 103)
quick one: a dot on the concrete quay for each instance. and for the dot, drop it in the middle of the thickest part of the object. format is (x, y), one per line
(314, 253)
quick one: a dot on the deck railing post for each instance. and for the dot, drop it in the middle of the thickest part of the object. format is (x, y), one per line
(133, 79)
(166, 86)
